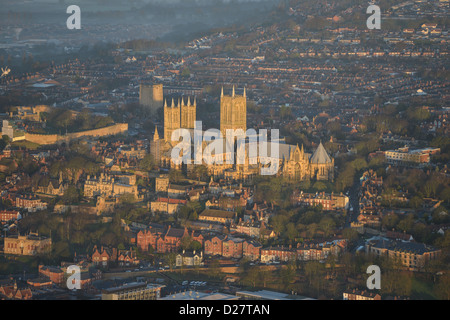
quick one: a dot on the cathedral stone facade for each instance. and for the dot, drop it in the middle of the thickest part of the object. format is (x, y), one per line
(177, 116)
(233, 112)
(294, 163)
(304, 166)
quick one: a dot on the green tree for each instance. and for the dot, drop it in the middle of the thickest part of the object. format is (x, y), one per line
(287, 274)
(214, 269)
(126, 198)
(416, 202)
(71, 195)
(442, 289)
(291, 231)
(350, 234)
(186, 73)
(147, 163)
(195, 245)
(327, 225)
(175, 175)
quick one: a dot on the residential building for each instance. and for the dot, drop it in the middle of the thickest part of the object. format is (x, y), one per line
(215, 215)
(30, 203)
(12, 291)
(412, 255)
(54, 274)
(327, 201)
(167, 205)
(251, 250)
(405, 156)
(9, 215)
(189, 259)
(28, 245)
(360, 295)
(133, 291)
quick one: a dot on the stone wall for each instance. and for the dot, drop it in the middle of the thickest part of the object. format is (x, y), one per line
(42, 138)
(55, 138)
(106, 131)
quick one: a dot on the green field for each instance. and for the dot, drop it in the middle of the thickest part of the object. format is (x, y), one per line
(25, 144)
(422, 290)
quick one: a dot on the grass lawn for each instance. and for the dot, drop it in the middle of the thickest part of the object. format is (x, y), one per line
(24, 143)
(17, 265)
(422, 290)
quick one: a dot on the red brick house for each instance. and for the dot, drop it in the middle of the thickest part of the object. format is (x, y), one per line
(147, 238)
(6, 216)
(171, 241)
(232, 248)
(103, 256)
(197, 236)
(214, 245)
(251, 249)
(163, 242)
(278, 254)
(85, 280)
(127, 258)
(12, 291)
(56, 275)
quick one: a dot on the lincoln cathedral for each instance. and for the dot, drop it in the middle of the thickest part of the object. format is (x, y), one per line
(294, 163)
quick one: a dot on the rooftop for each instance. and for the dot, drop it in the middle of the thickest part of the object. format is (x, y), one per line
(271, 295)
(320, 155)
(197, 295)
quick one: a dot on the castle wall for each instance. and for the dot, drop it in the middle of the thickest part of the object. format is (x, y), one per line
(42, 138)
(55, 138)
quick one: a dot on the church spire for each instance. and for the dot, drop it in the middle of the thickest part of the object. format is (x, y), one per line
(156, 135)
(233, 92)
(221, 93)
(165, 103)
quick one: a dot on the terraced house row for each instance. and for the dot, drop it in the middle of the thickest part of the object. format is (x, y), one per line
(233, 247)
(164, 240)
